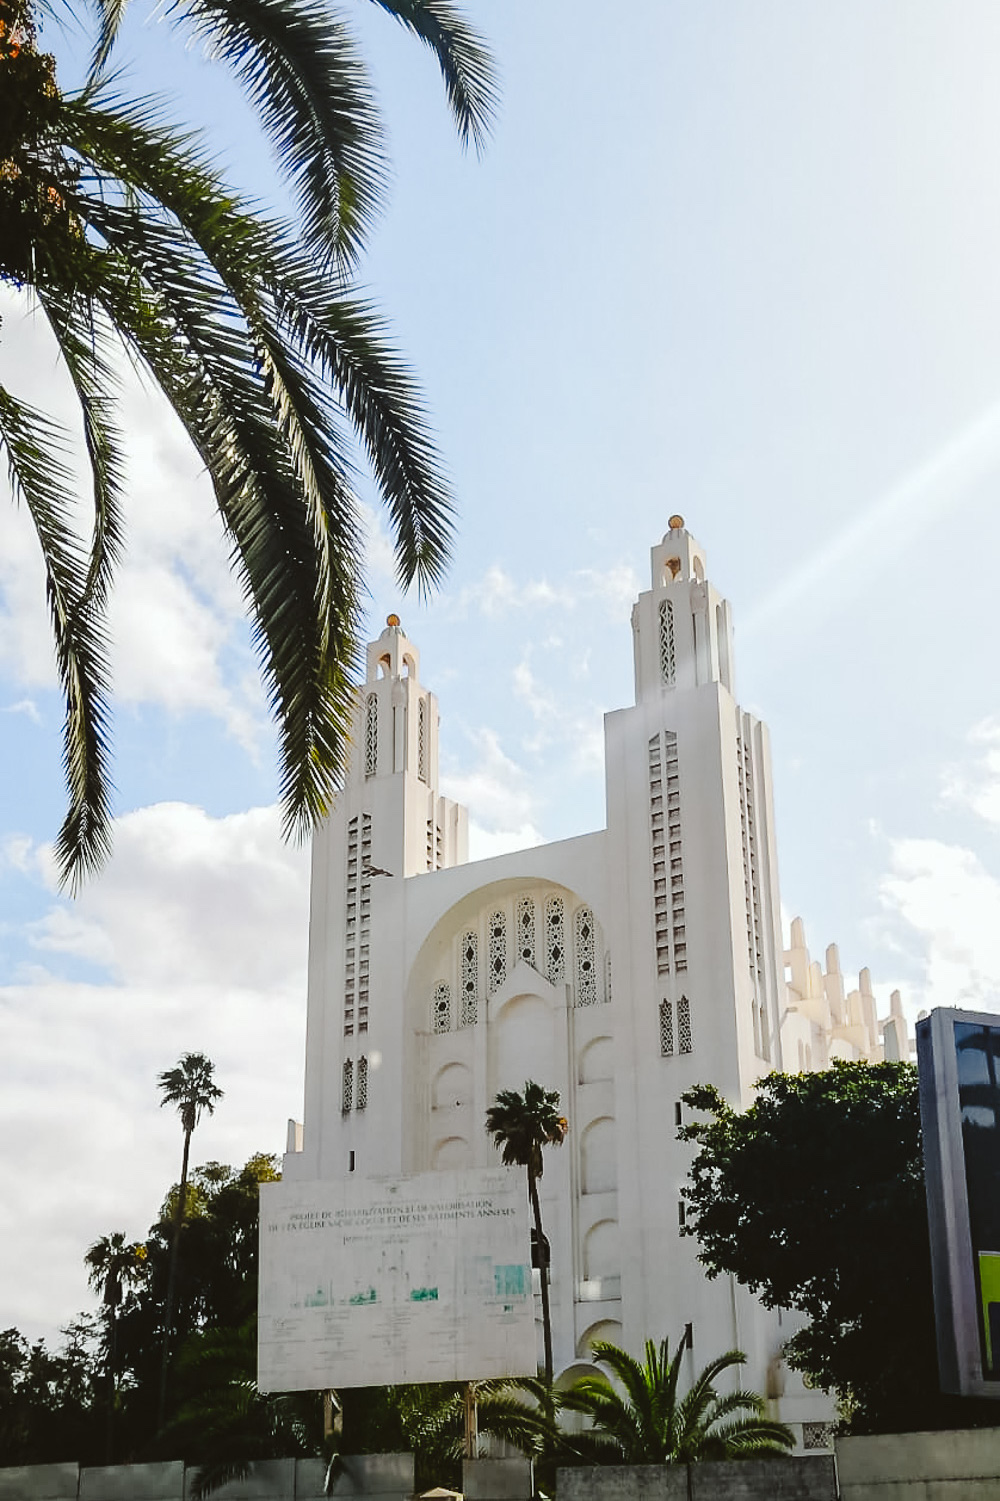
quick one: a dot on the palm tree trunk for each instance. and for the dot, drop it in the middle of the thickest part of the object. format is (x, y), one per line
(175, 1244)
(112, 1384)
(544, 1270)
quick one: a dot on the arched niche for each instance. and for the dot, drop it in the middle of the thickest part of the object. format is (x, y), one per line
(520, 1044)
(598, 1159)
(602, 1250)
(452, 1087)
(471, 912)
(453, 1152)
(596, 1061)
(606, 1329)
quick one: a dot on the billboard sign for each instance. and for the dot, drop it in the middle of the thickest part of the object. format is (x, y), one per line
(958, 1054)
(375, 1281)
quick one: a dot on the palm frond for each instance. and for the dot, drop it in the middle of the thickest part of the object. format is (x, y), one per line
(343, 337)
(465, 62)
(306, 633)
(81, 344)
(305, 78)
(32, 443)
(110, 16)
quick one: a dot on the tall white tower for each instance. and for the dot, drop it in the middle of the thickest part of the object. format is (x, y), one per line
(390, 824)
(696, 942)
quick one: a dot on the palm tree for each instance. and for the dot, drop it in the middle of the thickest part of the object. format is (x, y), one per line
(647, 1423)
(114, 1264)
(521, 1125)
(127, 240)
(224, 1423)
(191, 1088)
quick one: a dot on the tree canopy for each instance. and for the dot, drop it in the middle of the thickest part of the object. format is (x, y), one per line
(814, 1199)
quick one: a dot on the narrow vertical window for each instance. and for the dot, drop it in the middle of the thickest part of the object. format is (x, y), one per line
(555, 939)
(666, 1029)
(362, 1096)
(441, 1020)
(470, 979)
(422, 739)
(684, 1042)
(371, 735)
(347, 1099)
(586, 977)
(498, 950)
(526, 929)
(668, 662)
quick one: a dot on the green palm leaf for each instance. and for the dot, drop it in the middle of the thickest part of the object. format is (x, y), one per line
(31, 442)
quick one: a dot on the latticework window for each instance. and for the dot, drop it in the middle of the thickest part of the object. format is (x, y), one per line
(422, 739)
(441, 1019)
(586, 976)
(526, 929)
(607, 978)
(371, 735)
(668, 660)
(666, 1029)
(817, 1435)
(684, 1043)
(470, 979)
(555, 939)
(498, 950)
(362, 1095)
(347, 1099)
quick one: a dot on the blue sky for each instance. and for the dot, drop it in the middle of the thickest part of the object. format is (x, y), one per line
(739, 260)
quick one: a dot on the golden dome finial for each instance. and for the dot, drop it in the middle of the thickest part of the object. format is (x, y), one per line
(392, 620)
(676, 523)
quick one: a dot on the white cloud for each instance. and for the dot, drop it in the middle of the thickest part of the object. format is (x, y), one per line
(945, 895)
(494, 791)
(485, 843)
(203, 923)
(978, 786)
(25, 706)
(499, 593)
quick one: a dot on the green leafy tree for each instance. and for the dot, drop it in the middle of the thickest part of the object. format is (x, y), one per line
(49, 1404)
(189, 1086)
(814, 1199)
(521, 1126)
(113, 1266)
(128, 241)
(648, 1422)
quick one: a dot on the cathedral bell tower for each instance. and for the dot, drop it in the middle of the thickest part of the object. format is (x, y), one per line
(390, 822)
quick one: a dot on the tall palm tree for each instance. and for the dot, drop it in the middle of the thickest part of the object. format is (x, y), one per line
(191, 1088)
(113, 1265)
(521, 1126)
(647, 1422)
(127, 240)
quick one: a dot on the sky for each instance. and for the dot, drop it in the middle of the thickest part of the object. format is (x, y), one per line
(738, 260)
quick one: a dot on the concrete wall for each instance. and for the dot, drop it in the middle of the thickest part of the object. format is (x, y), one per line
(812, 1478)
(963, 1465)
(376, 1477)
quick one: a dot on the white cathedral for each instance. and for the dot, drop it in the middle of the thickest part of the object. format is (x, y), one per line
(619, 967)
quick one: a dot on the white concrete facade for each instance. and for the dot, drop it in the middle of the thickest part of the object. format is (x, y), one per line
(620, 967)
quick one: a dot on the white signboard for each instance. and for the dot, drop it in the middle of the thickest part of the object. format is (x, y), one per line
(370, 1282)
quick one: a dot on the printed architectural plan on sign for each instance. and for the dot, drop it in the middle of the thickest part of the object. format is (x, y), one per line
(368, 1282)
